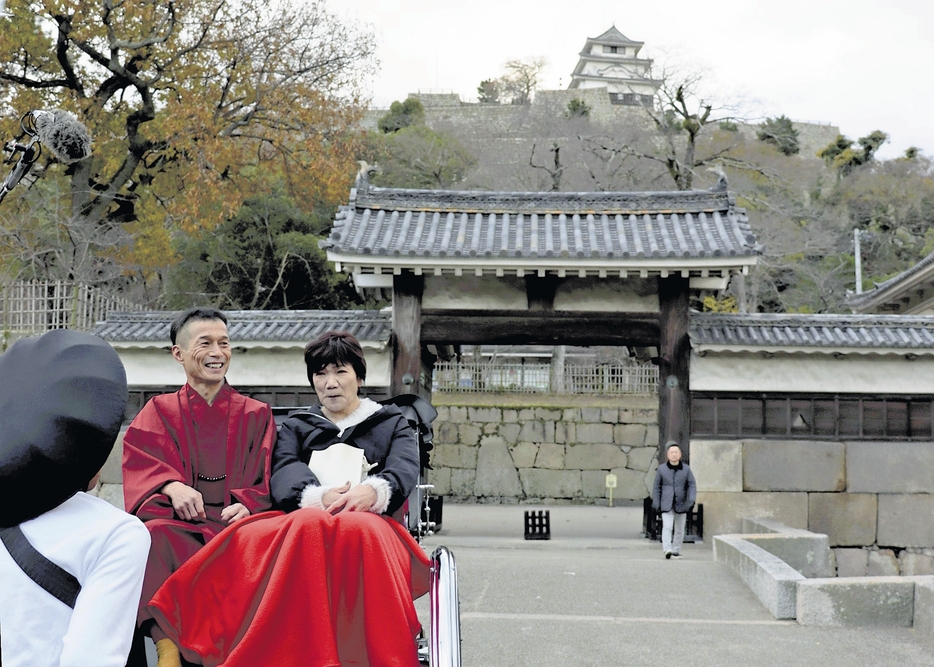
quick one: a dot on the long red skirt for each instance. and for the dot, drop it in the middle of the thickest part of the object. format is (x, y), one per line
(304, 589)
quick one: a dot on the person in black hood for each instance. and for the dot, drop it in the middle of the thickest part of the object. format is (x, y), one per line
(673, 494)
(332, 580)
(71, 564)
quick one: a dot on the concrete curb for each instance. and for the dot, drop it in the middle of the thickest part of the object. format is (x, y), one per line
(857, 602)
(771, 579)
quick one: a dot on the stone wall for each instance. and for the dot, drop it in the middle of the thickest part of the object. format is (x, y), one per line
(484, 123)
(521, 451)
(873, 500)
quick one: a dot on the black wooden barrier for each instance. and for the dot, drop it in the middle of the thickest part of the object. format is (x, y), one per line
(652, 523)
(538, 525)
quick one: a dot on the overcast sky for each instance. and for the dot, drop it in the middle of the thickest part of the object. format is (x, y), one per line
(859, 64)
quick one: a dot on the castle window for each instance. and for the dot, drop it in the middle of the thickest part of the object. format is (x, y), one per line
(611, 49)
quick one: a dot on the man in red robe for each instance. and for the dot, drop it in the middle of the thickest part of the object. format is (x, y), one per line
(194, 461)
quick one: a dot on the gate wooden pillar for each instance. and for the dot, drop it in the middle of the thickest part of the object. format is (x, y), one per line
(674, 357)
(407, 289)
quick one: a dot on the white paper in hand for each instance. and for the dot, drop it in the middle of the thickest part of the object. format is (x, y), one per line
(338, 464)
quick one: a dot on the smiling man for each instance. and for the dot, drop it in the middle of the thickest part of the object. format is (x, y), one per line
(196, 460)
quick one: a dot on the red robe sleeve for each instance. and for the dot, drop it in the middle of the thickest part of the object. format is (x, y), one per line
(249, 453)
(153, 456)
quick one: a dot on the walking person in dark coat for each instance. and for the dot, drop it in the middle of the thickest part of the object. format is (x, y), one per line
(673, 494)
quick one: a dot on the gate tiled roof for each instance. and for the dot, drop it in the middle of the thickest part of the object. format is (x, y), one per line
(399, 228)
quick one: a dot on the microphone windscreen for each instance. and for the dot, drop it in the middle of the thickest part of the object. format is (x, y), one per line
(63, 134)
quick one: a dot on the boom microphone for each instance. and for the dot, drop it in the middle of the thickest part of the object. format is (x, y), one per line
(63, 134)
(59, 130)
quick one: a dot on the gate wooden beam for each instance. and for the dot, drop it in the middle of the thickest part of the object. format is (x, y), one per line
(407, 290)
(674, 358)
(516, 327)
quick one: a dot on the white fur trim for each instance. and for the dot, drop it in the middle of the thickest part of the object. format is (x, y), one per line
(366, 408)
(313, 496)
(381, 486)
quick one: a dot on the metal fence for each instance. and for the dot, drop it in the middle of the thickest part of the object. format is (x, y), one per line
(34, 306)
(453, 376)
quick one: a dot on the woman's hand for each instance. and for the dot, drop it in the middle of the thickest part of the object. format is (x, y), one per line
(358, 499)
(332, 494)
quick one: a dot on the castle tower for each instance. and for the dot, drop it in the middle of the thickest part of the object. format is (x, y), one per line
(612, 61)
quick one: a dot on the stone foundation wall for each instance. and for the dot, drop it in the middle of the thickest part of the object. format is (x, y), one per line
(545, 453)
(873, 500)
(473, 121)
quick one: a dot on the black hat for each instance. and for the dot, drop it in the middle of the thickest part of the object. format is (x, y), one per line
(62, 398)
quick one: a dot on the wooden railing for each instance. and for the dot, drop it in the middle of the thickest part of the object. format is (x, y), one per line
(483, 377)
(34, 306)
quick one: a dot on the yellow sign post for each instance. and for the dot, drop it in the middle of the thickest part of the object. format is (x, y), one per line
(611, 484)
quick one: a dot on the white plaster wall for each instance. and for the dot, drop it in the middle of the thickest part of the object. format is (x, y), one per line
(474, 292)
(607, 295)
(608, 69)
(259, 367)
(819, 373)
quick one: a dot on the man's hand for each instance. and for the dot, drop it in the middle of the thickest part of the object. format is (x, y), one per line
(187, 502)
(358, 499)
(234, 512)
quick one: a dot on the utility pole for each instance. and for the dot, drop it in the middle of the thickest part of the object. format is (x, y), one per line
(859, 263)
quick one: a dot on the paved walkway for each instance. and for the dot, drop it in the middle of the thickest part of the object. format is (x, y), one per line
(599, 594)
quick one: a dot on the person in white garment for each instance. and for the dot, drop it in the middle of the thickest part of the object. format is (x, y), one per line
(71, 564)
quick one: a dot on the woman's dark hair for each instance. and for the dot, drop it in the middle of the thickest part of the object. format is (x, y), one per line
(334, 347)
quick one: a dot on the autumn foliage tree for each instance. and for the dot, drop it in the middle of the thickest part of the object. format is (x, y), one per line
(193, 105)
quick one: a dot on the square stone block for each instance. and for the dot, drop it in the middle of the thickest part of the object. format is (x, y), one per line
(523, 454)
(632, 435)
(913, 565)
(851, 562)
(595, 457)
(595, 433)
(441, 478)
(462, 483)
(905, 520)
(724, 512)
(630, 484)
(848, 519)
(793, 465)
(882, 563)
(550, 456)
(593, 484)
(533, 431)
(445, 432)
(889, 467)
(454, 456)
(717, 464)
(485, 414)
(641, 458)
(538, 483)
